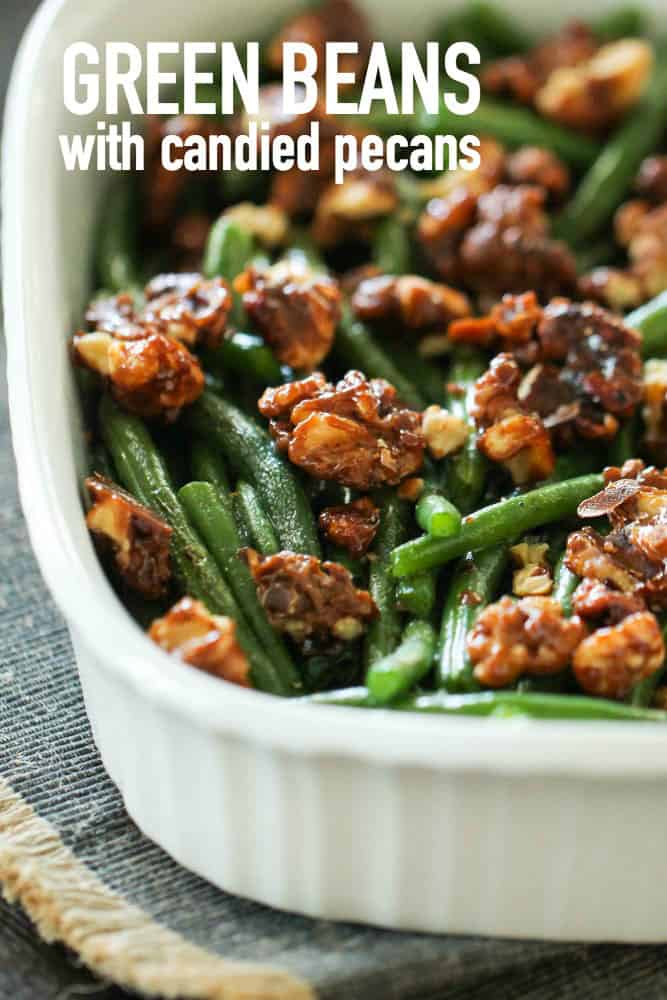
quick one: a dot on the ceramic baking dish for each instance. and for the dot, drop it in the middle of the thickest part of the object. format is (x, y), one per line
(540, 829)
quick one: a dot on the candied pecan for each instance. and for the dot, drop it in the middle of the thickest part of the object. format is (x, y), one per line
(489, 173)
(612, 286)
(295, 309)
(613, 659)
(138, 539)
(346, 211)
(409, 301)
(594, 94)
(510, 323)
(527, 636)
(351, 525)
(310, 599)
(651, 180)
(590, 555)
(522, 76)
(513, 436)
(508, 249)
(331, 21)
(203, 640)
(537, 166)
(533, 575)
(595, 602)
(155, 376)
(444, 433)
(441, 227)
(356, 432)
(187, 307)
(269, 224)
(114, 315)
(642, 229)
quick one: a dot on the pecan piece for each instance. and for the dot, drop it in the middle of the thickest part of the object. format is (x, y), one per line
(295, 309)
(613, 659)
(537, 166)
(310, 599)
(356, 432)
(596, 602)
(529, 636)
(347, 211)
(187, 307)
(353, 525)
(137, 538)
(408, 301)
(532, 578)
(154, 376)
(444, 432)
(203, 640)
(651, 180)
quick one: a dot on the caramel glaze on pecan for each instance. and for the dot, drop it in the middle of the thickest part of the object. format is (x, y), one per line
(408, 301)
(530, 636)
(522, 76)
(203, 640)
(584, 372)
(613, 659)
(513, 435)
(496, 242)
(355, 432)
(137, 538)
(295, 310)
(353, 525)
(188, 308)
(309, 599)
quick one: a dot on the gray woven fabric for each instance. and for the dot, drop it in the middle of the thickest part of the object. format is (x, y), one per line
(47, 753)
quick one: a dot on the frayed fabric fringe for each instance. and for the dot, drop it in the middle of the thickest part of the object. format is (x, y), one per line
(116, 940)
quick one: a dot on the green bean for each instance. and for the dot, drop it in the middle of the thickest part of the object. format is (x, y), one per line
(391, 246)
(242, 525)
(498, 703)
(383, 633)
(466, 470)
(500, 32)
(249, 449)
(624, 444)
(99, 462)
(621, 22)
(436, 515)
(594, 255)
(611, 174)
(564, 586)
(474, 584)
(577, 463)
(247, 355)
(214, 521)
(651, 321)
(207, 466)
(261, 530)
(357, 348)
(228, 249)
(512, 125)
(394, 674)
(143, 472)
(116, 255)
(424, 375)
(496, 523)
(416, 594)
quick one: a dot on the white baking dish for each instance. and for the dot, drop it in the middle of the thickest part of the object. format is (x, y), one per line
(538, 829)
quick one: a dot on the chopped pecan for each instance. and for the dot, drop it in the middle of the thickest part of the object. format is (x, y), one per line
(532, 578)
(353, 525)
(651, 180)
(511, 323)
(203, 640)
(347, 211)
(310, 599)
(441, 227)
(655, 407)
(331, 21)
(295, 309)
(509, 249)
(594, 94)
(356, 432)
(408, 301)
(613, 659)
(632, 558)
(513, 436)
(522, 77)
(154, 376)
(269, 224)
(444, 433)
(138, 539)
(537, 166)
(596, 602)
(529, 636)
(187, 307)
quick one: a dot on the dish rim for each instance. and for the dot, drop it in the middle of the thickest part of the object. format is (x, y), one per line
(486, 745)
